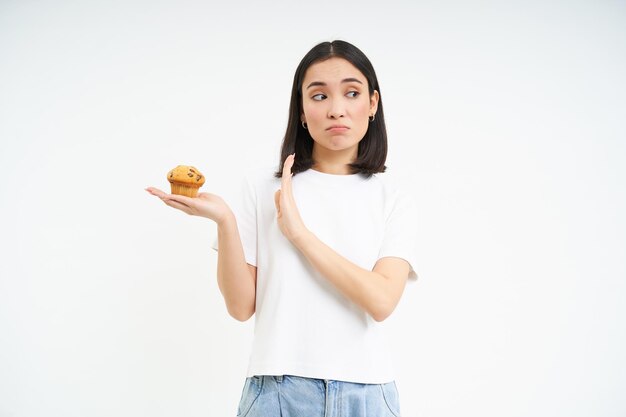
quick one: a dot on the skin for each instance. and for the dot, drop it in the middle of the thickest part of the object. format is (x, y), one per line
(334, 93)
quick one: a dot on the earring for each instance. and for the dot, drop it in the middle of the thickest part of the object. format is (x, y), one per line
(372, 117)
(304, 125)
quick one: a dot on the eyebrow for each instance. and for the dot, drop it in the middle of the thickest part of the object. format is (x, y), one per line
(345, 80)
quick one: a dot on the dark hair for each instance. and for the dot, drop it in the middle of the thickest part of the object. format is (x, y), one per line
(372, 150)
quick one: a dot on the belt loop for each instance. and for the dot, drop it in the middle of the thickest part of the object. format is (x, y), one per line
(279, 378)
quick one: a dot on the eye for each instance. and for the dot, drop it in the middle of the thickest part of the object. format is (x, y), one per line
(353, 94)
(318, 97)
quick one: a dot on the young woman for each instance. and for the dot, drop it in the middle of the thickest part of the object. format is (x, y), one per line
(320, 250)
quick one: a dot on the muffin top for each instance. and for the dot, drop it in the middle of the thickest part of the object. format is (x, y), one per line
(186, 174)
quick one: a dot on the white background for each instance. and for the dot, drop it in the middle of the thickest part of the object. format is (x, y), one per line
(508, 119)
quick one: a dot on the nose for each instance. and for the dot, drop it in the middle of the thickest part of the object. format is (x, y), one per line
(336, 109)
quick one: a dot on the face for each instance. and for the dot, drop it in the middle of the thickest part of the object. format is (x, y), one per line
(336, 105)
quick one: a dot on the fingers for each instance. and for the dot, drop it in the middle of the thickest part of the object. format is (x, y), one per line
(187, 201)
(176, 201)
(177, 205)
(163, 195)
(180, 202)
(156, 192)
(287, 174)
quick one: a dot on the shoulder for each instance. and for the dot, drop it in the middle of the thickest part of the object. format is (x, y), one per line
(391, 184)
(396, 191)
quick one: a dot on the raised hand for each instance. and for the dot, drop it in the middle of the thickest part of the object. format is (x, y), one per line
(206, 205)
(289, 220)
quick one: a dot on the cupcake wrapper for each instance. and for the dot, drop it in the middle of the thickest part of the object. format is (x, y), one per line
(182, 189)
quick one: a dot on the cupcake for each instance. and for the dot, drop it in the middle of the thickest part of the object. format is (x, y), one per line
(185, 180)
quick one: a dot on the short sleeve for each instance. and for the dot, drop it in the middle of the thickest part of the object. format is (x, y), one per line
(244, 209)
(400, 235)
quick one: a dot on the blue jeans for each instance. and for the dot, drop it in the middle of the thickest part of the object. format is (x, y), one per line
(294, 396)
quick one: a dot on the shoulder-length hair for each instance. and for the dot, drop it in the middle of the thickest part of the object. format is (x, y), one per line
(372, 150)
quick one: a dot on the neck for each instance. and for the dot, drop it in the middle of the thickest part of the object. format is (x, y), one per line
(333, 162)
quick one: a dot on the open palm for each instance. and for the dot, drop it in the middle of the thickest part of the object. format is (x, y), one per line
(207, 205)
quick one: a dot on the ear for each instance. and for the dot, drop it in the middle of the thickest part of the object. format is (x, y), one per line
(374, 102)
(302, 118)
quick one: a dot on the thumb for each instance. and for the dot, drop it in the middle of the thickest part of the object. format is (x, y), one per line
(277, 201)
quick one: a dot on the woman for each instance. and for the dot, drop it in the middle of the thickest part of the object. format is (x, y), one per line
(320, 251)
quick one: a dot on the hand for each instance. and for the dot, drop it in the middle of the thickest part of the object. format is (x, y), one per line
(289, 220)
(205, 205)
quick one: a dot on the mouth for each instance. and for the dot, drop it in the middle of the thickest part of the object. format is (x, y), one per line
(337, 128)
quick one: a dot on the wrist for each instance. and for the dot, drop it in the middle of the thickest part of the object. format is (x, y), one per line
(299, 240)
(226, 219)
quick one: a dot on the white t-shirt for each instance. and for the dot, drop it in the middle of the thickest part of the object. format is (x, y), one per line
(303, 325)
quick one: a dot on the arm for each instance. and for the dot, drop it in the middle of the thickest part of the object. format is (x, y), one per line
(236, 279)
(377, 291)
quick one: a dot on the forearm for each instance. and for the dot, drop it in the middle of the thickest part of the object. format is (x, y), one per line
(235, 282)
(368, 289)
